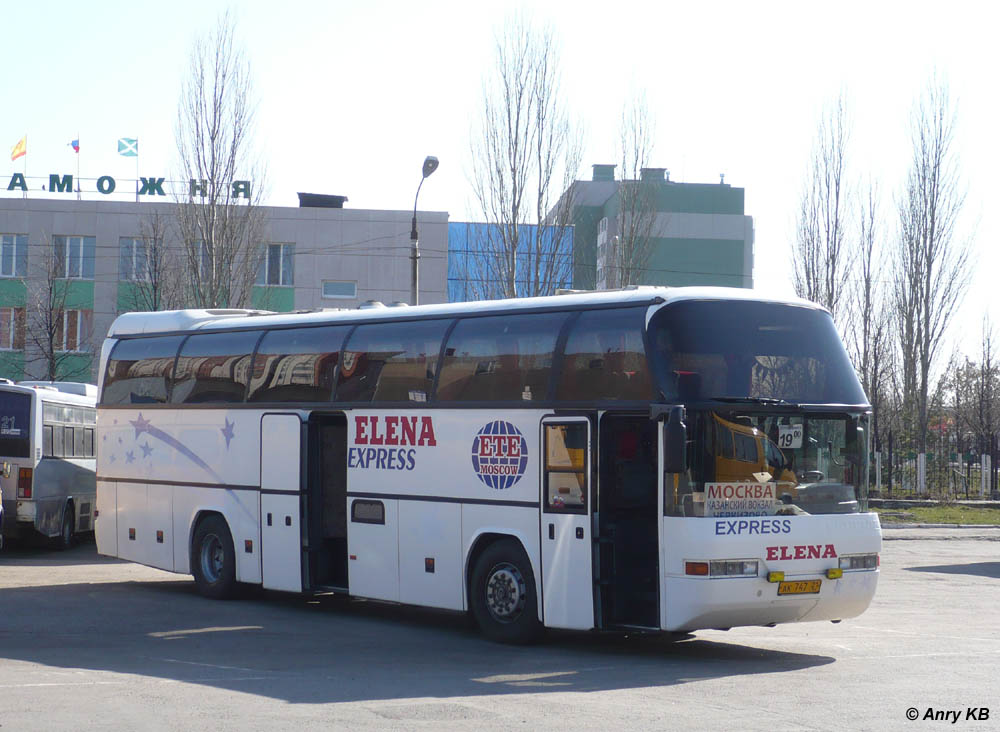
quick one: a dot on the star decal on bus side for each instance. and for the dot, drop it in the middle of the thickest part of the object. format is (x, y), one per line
(228, 432)
(144, 426)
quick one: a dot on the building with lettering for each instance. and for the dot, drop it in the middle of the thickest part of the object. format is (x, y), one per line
(318, 255)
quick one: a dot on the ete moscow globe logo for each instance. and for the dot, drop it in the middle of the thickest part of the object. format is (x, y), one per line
(499, 455)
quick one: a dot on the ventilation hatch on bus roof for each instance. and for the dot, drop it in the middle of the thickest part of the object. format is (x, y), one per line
(168, 320)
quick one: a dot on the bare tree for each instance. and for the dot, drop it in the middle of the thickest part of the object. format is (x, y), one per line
(59, 337)
(154, 270)
(821, 254)
(631, 244)
(983, 419)
(523, 155)
(868, 312)
(931, 267)
(220, 220)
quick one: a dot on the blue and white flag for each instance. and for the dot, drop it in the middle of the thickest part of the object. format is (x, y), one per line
(128, 146)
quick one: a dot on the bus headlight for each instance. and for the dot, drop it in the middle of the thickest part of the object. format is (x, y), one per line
(733, 568)
(855, 562)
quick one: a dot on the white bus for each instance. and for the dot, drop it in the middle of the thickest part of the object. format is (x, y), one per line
(650, 459)
(47, 440)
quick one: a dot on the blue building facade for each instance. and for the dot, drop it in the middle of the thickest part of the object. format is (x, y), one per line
(477, 267)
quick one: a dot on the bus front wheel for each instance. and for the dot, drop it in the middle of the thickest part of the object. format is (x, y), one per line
(504, 603)
(214, 564)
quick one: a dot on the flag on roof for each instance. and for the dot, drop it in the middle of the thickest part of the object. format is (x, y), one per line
(75, 144)
(20, 149)
(128, 146)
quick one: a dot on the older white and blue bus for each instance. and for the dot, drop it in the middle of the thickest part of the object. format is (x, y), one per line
(650, 459)
(47, 433)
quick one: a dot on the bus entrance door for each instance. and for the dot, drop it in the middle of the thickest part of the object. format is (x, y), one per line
(280, 507)
(628, 538)
(567, 548)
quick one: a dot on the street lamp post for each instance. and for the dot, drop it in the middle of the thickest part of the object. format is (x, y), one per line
(430, 165)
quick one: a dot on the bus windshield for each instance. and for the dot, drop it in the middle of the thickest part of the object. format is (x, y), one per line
(15, 424)
(746, 463)
(721, 350)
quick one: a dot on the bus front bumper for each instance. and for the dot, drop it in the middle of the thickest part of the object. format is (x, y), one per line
(695, 603)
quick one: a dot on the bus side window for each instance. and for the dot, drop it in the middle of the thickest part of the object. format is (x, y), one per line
(505, 358)
(391, 362)
(745, 448)
(138, 370)
(79, 442)
(566, 467)
(605, 358)
(57, 441)
(47, 440)
(213, 367)
(88, 442)
(296, 365)
(69, 444)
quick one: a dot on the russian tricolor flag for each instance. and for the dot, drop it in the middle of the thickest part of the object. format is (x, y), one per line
(76, 145)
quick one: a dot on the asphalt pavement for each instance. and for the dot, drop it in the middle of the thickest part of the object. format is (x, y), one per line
(88, 642)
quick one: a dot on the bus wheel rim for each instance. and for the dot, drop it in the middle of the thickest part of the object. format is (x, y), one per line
(505, 593)
(212, 558)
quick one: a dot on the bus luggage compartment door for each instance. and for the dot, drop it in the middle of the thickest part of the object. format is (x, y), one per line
(280, 502)
(567, 545)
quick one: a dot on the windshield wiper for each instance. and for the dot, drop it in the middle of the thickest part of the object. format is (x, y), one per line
(749, 400)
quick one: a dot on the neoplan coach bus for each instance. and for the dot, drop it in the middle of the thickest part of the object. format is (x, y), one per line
(651, 459)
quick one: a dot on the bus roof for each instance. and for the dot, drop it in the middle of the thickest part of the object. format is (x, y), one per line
(184, 320)
(66, 387)
(64, 392)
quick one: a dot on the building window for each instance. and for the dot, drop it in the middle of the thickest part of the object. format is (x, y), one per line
(74, 256)
(134, 259)
(337, 289)
(12, 329)
(13, 255)
(75, 330)
(277, 265)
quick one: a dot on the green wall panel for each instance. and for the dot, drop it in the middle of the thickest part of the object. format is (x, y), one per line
(585, 222)
(280, 299)
(127, 297)
(679, 262)
(75, 368)
(12, 365)
(13, 292)
(80, 295)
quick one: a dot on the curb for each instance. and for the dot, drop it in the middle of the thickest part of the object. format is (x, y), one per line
(940, 526)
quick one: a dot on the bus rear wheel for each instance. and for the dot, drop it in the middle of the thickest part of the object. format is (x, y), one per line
(214, 559)
(67, 534)
(504, 603)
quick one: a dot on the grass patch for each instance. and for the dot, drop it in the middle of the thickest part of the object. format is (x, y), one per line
(944, 514)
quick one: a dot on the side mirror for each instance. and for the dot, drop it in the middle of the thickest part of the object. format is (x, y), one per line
(675, 442)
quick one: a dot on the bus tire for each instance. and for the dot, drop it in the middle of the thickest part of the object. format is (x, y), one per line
(504, 602)
(67, 533)
(214, 559)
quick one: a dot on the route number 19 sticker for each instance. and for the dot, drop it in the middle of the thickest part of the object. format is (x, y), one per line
(790, 436)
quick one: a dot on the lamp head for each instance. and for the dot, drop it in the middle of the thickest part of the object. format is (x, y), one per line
(430, 165)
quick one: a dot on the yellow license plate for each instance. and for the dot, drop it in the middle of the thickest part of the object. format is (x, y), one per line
(803, 587)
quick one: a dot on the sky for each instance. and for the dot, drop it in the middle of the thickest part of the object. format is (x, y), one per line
(353, 96)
